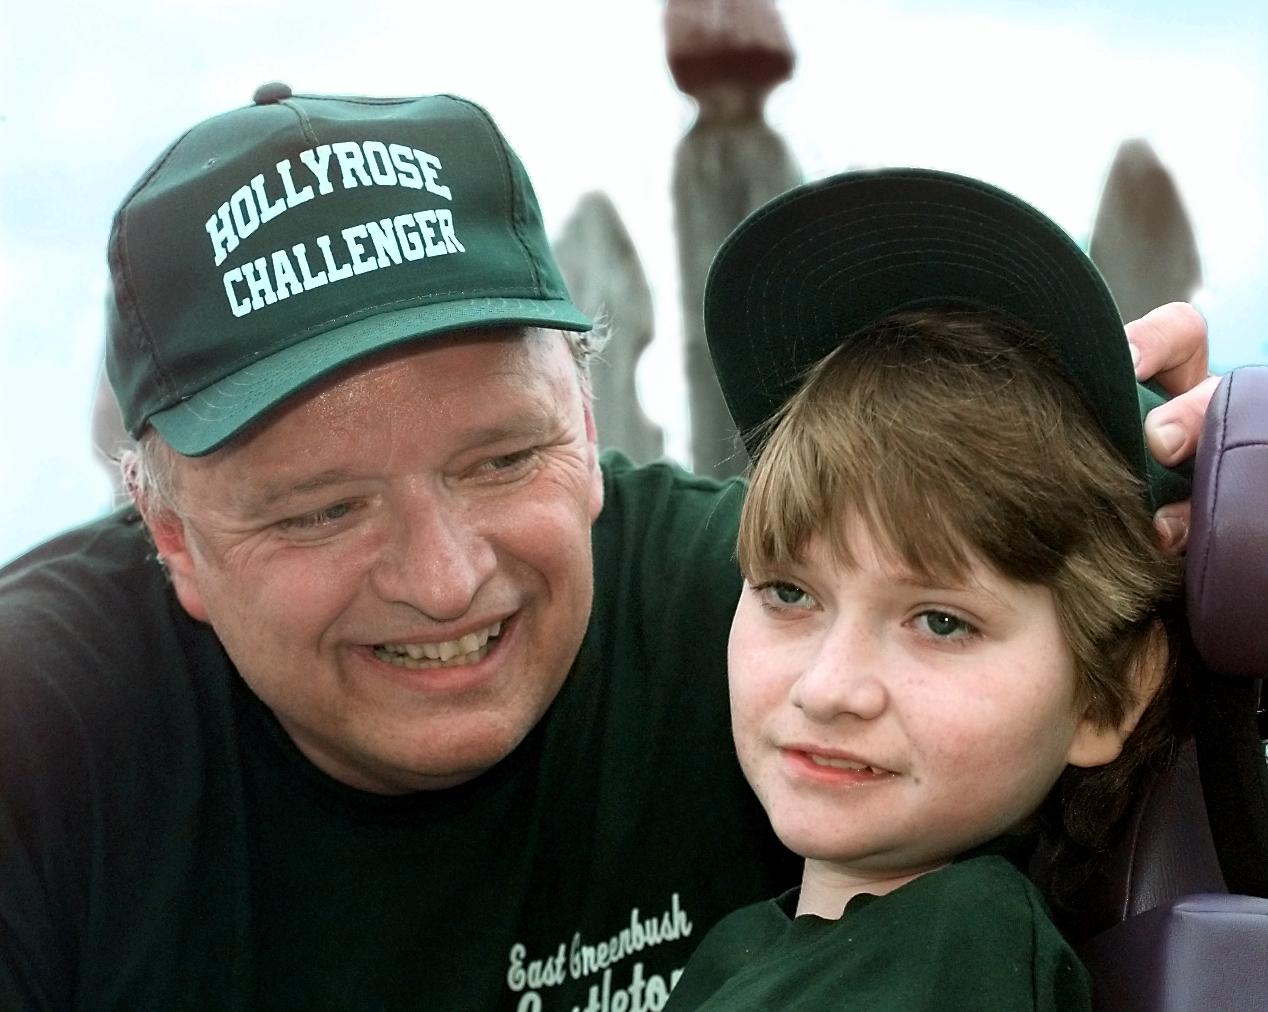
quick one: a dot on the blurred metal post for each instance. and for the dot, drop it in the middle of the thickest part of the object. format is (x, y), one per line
(727, 55)
(1143, 241)
(607, 282)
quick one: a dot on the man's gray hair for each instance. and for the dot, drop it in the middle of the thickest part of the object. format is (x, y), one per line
(585, 346)
(149, 472)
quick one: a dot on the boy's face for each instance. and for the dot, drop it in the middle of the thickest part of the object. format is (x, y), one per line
(888, 725)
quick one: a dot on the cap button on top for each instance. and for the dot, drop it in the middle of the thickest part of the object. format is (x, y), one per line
(271, 92)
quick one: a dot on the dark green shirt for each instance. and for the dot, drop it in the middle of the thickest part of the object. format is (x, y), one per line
(164, 846)
(974, 936)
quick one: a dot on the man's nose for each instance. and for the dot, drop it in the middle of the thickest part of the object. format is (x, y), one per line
(436, 556)
(845, 675)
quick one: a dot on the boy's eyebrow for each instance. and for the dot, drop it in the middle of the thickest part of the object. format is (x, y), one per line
(909, 579)
(906, 578)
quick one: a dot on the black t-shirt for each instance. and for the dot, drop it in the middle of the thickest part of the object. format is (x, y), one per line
(975, 935)
(163, 845)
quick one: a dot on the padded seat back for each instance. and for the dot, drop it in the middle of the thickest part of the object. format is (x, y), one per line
(1179, 919)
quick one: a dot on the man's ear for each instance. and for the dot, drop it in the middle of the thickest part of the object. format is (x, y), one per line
(172, 541)
(596, 472)
(1097, 744)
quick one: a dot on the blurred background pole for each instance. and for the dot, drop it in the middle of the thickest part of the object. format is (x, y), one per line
(607, 282)
(1143, 241)
(727, 55)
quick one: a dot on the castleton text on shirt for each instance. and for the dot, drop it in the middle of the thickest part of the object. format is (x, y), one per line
(532, 976)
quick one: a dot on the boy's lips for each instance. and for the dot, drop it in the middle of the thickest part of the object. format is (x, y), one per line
(832, 765)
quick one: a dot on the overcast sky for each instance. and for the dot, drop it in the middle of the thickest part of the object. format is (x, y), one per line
(1030, 96)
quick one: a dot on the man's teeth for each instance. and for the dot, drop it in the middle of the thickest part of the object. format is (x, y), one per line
(840, 764)
(469, 649)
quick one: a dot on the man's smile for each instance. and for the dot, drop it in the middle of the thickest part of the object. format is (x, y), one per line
(468, 649)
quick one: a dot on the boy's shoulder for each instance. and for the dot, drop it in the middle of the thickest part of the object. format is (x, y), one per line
(991, 874)
(974, 934)
(974, 902)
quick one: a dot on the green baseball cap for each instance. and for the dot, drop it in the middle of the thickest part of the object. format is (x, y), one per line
(271, 245)
(823, 261)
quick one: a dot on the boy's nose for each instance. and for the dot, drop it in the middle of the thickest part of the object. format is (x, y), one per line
(844, 676)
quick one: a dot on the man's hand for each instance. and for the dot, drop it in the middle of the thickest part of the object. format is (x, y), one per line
(1169, 345)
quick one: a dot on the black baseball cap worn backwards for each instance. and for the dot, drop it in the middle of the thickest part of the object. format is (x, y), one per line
(822, 262)
(271, 245)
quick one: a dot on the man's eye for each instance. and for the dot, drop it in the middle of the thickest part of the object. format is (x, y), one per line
(317, 518)
(943, 625)
(505, 463)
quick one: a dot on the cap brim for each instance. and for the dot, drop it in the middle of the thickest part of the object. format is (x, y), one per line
(213, 416)
(803, 273)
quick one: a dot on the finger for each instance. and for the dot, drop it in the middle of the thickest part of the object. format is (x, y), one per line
(1172, 525)
(1169, 344)
(1172, 429)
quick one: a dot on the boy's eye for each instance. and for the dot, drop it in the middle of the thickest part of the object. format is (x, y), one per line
(944, 625)
(779, 594)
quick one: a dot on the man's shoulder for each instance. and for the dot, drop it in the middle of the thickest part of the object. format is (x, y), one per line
(89, 626)
(90, 583)
(671, 533)
(663, 477)
(663, 500)
(104, 677)
(120, 800)
(99, 550)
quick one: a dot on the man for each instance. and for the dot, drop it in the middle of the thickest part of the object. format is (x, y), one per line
(411, 702)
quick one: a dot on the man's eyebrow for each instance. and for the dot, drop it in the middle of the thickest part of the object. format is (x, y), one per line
(271, 494)
(531, 423)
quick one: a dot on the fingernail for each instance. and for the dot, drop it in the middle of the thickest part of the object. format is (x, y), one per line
(1135, 355)
(1171, 437)
(1172, 530)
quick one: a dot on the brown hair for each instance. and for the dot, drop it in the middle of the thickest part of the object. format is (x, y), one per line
(952, 434)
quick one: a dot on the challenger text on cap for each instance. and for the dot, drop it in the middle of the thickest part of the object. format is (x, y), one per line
(356, 249)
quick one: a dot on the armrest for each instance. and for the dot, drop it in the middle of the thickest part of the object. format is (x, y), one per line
(1198, 953)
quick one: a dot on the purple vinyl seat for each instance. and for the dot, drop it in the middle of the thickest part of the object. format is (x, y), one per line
(1181, 920)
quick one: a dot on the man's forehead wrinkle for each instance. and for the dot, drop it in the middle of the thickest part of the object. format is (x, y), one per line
(515, 368)
(525, 393)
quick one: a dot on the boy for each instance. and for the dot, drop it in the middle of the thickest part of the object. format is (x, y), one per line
(951, 636)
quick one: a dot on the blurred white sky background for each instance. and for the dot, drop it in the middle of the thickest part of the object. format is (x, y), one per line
(1033, 97)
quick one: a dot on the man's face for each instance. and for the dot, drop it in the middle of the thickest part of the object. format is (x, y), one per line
(888, 725)
(398, 563)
